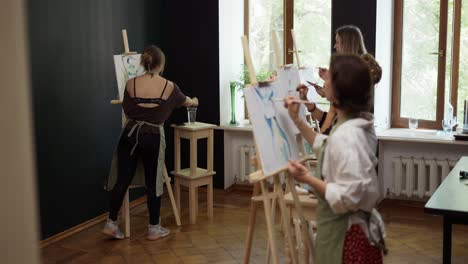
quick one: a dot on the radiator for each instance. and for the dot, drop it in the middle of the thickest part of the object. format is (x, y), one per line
(419, 177)
(246, 153)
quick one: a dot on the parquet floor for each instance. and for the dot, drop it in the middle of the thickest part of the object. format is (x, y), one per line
(412, 237)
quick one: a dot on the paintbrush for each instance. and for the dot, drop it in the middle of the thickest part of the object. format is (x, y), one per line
(278, 99)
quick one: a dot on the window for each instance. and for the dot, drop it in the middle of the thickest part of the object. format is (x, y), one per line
(426, 61)
(311, 20)
(460, 84)
(264, 17)
(312, 24)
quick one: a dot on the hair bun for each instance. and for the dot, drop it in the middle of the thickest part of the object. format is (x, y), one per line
(146, 58)
(374, 67)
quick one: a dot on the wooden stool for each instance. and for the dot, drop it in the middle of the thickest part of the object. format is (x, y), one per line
(192, 184)
(193, 177)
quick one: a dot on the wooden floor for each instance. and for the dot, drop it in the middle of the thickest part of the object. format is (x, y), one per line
(412, 237)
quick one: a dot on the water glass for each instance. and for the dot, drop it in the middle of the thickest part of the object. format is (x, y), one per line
(447, 125)
(412, 123)
(191, 114)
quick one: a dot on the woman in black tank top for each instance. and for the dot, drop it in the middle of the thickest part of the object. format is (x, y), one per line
(143, 137)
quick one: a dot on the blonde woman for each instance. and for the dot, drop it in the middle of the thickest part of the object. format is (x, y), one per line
(348, 40)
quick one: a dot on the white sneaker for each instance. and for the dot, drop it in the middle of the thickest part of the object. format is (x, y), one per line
(112, 229)
(157, 232)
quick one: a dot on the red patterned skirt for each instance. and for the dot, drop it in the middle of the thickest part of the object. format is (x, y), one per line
(358, 250)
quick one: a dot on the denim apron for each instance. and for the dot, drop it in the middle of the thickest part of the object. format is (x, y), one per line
(139, 178)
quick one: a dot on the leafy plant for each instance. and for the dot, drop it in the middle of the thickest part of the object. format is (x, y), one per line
(244, 78)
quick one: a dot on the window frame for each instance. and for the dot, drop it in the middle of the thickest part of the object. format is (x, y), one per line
(288, 19)
(396, 119)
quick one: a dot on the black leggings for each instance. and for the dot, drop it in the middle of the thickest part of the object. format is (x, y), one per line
(148, 150)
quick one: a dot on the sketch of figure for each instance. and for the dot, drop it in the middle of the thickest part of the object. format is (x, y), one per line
(273, 129)
(279, 139)
(132, 66)
(126, 67)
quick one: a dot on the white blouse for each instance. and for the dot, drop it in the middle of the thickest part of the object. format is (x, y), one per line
(349, 168)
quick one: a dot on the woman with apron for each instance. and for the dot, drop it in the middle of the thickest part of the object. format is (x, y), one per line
(345, 181)
(148, 102)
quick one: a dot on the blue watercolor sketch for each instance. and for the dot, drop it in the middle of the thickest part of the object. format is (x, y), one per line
(273, 129)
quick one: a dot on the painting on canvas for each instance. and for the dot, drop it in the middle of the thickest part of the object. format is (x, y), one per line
(273, 129)
(309, 74)
(126, 67)
(289, 80)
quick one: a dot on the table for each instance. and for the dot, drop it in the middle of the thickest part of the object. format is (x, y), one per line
(451, 201)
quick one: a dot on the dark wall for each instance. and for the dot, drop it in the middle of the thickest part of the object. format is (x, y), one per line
(361, 13)
(73, 80)
(193, 63)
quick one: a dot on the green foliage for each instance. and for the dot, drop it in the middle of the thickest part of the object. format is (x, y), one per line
(244, 77)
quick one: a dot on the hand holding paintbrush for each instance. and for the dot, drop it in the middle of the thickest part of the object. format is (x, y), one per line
(293, 105)
(303, 90)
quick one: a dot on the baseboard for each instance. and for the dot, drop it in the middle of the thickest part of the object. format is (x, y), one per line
(85, 225)
(241, 187)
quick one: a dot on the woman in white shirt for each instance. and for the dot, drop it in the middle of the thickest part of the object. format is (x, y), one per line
(345, 181)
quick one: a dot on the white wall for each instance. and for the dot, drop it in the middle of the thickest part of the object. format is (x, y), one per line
(384, 55)
(231, 56)
(19, 221)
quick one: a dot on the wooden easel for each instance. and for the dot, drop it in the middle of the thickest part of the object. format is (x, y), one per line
(261, 193)
(167, 180)
(328, 121)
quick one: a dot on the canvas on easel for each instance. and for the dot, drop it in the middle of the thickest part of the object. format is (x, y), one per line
(270, 118)
(309, 75)
(127, 66)
(289, 79)
(266, 112)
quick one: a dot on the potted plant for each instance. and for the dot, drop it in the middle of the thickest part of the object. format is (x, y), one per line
(238, 85)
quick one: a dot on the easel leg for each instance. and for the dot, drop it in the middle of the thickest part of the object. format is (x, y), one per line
(306, 238)
(300, 245)
(250, 228)
(175, 209)
(270, 228)
(273, 216)
(126, 214)
(177, 193)
(285, 219)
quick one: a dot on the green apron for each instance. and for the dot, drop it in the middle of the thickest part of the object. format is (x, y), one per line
(139, 178)
(331, 227)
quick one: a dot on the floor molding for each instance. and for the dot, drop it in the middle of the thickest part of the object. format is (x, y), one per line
(85, 225)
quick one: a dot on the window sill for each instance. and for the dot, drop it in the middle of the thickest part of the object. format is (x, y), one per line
(242, 126)
(418, 135)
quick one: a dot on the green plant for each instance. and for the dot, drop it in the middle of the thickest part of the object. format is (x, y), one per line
(244, 77)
